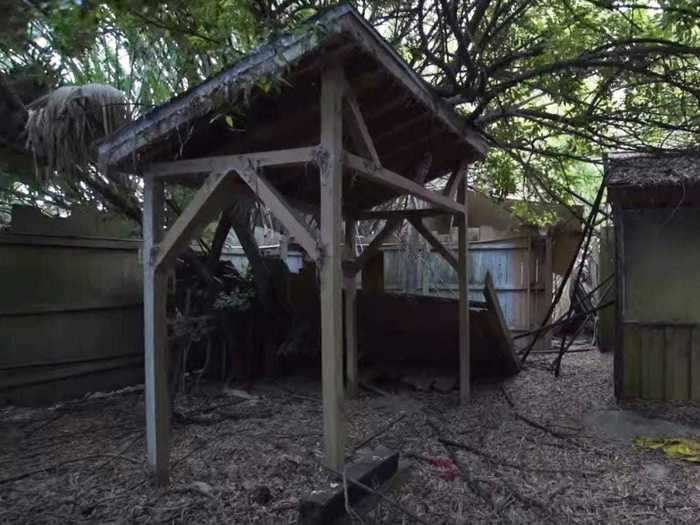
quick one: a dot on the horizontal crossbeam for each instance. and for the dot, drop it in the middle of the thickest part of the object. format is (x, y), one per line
(367, 169)
(283, 157)
(362, 215)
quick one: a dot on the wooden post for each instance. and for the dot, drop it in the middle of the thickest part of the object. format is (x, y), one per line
(528, 283)
(350, 281)
(155, 333)
(548, 286)
(463, 279)
(331, 173)
(284, 248)
(373, 274)
(619, 359)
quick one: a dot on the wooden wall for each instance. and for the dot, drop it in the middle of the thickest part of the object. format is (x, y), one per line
(71, 316)
(606, 268)
(658, 350)
(662, 362)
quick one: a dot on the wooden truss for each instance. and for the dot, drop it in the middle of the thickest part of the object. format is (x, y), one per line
(338, 265)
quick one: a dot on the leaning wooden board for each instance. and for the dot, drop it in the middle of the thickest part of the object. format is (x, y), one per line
(404, 328)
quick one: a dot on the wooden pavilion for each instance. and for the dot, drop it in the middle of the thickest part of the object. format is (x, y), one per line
(327, 121)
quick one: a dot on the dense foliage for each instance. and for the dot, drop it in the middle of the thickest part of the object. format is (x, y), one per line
(554, 84)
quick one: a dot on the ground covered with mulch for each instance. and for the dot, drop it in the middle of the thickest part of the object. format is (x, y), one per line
(517, 453)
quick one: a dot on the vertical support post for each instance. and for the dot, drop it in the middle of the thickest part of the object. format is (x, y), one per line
(463, 280)
(619, 356)
(331, 168)
(528, 282)
(284, 248)
(548, 286)
(350, 280)
(373, 274)
(155, 334)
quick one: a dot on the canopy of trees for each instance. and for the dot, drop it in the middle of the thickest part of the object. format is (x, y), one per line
(554, 84)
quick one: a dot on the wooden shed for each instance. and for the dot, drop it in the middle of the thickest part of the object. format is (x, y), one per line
(327, 121)
(656, 207)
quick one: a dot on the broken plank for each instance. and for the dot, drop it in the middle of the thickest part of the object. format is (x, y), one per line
(326, 506)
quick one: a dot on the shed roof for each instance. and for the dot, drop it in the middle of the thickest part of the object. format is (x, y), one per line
(645, 180)
(648, 171)
(272, 98)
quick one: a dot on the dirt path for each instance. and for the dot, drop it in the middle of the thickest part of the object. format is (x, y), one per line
(517, 454)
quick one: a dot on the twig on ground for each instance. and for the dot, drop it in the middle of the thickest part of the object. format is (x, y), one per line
(62, 463)
(540, 426)
(380, 432)
(122, 450)
(529, 421)
(464, 473)
(507, 463)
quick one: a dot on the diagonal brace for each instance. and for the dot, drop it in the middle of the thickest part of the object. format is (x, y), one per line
(206, 203)
(275, 202)
(358, 128)
(434, 242)
(374, 246)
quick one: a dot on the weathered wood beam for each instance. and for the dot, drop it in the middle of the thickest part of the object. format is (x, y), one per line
(206, 203)
(435, 243)
(280, 208)
(450, 189)
(283, 157)
(548, 287)
(331, 185)
(376, 244)
(385, 177)
(350, 281)
(463, 284)
(370, 215)
(358, 128)
(398, 69)
(155, 335)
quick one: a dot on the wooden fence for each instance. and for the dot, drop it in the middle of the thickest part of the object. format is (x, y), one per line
(517, 266)
(71, 316)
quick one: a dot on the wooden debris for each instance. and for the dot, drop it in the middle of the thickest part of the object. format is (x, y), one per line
(323, 507)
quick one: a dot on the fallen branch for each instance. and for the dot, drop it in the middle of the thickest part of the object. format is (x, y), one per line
(24, 475)
(529, 421)
(564, 319)
(380, 432)
(122, 450)
(585, 240)
(509, 464)
(540, 426)
(463, 472)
